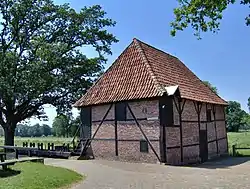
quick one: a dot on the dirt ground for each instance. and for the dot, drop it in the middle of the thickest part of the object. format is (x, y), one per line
(227, 173)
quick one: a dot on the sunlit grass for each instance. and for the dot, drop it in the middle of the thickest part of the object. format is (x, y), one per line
(37, 176)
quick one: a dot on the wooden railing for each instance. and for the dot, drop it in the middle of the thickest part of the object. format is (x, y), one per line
(235, 148)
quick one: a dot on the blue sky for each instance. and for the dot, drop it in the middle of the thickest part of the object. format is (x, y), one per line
(222, 59)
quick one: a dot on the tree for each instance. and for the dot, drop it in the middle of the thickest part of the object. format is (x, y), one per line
(1, 131)
(213, 88)
(202, 15)
(235, 116)
(46, 130)
(246, 121)
(61, 125)
(248, 103)
(22, 130)
(40, 57)
(74, 124)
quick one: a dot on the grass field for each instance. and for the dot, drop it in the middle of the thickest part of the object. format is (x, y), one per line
(240, 139)
(37, 176)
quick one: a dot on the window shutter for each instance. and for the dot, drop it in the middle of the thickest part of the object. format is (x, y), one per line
(120, 111)
(143, 146)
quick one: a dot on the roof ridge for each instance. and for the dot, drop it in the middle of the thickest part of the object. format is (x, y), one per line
(148, 66)
(156, 48)
(179, 65)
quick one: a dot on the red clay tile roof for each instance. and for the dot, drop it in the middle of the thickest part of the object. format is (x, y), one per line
(143, 71)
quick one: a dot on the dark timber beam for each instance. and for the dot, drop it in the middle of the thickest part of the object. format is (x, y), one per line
(180, 109)
(116, 135)
(145, 136)
(215, 128)
(225, 126)
(88, 142)
(166, 120)
(198, 111)
(206, 118)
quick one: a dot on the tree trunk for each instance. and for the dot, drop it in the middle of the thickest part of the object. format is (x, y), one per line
(9, 132)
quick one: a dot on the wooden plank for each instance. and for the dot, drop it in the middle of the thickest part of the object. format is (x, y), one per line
(236, 148)
(12, 162)
(32, 159)
(18, 148)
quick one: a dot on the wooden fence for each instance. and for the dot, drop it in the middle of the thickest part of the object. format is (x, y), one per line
(235, 148)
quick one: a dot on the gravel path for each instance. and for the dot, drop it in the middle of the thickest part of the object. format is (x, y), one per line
(229, 173)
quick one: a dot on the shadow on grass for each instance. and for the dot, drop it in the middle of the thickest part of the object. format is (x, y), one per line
(9, 173)
(223, 162)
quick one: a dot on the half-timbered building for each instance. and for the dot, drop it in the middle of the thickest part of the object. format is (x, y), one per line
(149, 107)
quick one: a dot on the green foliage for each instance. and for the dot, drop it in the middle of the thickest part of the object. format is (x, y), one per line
(74, 124)
(36, 130)
(246, 122)
(65, 125)
(39, 176)
(60, 125)
(235, 116)
(213, 88)
(40, 57)
(202, 15)
(248, 103)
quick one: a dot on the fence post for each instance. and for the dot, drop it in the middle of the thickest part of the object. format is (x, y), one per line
(41, 146)
(38, 146)
(234, 150)
(16, 153)
(52, 146)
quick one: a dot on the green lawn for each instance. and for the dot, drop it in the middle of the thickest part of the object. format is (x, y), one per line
(240, 139)
(37, 176)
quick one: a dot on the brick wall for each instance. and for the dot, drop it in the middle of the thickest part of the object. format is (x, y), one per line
(98, 112)
(174, 156)
(189, 112)
(190, 131)
(211, 135)
(191, 154)
(212, 150)
(129, 135)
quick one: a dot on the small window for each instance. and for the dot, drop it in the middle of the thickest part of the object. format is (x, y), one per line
(209, 112)
(120, 111)
(143, 146)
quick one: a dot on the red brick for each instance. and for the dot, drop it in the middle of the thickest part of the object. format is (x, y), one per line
(190, 133)
(191, 154)
(174, 156)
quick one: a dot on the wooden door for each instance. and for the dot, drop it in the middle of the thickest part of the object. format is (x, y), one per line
(166, 119)
(203, 146)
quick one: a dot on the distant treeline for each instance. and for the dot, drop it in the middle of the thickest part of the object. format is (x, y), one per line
(63, 126)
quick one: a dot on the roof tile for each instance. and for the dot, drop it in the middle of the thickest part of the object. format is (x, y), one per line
(142, 71)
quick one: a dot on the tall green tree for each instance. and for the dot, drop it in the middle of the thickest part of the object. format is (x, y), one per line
(235, 116)
(248, 103)
(61, 125)
(213, 88)
(73, 128)
(40, 57)
(46, 130)
(202, 15)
